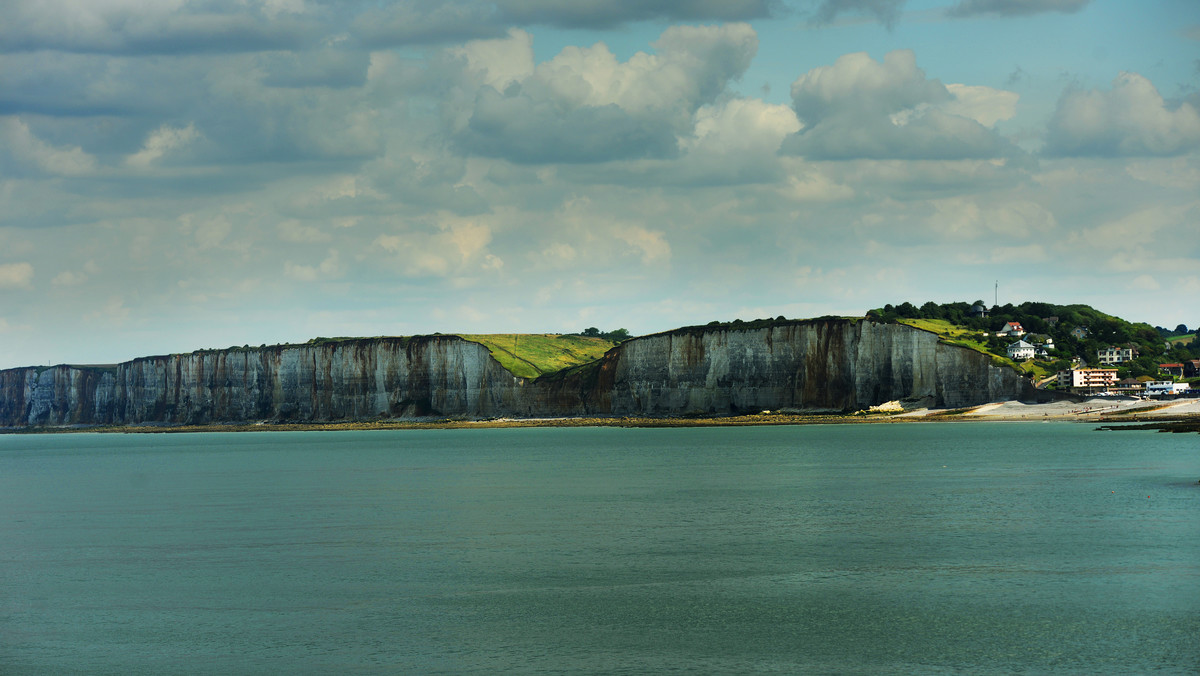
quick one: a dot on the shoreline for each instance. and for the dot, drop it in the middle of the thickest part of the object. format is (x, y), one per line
(1179, 416)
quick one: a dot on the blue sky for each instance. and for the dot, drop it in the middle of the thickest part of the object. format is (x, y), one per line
(185, 174)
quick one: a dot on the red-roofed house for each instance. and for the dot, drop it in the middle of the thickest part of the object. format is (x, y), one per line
(1011, 329)
(1173, 369)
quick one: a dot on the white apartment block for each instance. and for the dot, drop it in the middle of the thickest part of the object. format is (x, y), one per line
(1087, 380)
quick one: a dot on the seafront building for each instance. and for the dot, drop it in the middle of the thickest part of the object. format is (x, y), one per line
(1166, 387)
(1087, 381)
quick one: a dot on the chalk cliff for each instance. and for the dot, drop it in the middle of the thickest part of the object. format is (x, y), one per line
(833, 364)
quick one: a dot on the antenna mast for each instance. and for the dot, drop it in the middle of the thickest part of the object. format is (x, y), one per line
(996, 294)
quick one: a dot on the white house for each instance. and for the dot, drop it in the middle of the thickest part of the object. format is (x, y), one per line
(1021, 351)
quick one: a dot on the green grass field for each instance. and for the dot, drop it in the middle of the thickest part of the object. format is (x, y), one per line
(529, 355)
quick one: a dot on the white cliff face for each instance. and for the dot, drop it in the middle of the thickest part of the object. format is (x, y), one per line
(833, 365)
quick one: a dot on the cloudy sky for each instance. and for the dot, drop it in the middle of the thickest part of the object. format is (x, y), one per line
(183, 174)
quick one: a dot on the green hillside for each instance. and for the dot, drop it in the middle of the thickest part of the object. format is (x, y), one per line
(1078, 332)
(529, 355)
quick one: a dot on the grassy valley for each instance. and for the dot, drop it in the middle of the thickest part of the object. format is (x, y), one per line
(529, 355)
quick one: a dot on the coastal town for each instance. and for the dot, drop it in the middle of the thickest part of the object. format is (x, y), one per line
(1072, 349)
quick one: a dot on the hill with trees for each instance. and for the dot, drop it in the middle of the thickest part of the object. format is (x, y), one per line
(1079, 332)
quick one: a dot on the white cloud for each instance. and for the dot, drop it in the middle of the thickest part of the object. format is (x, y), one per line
(500, 62)
(741, 126)
(457, 247)
(1145, 283)
(293, 230)
(1011, 220)
(860, 108)
(1175, 172)
(651, 246)
(211, 232)
(1131, 119)
(326, 269)
(16, 275)
(114, 311)
(586, 106)
(69, 278)
(985, 105)
(32, 151)
(160, 142)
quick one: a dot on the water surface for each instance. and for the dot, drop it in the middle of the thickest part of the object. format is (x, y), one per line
(924, 548)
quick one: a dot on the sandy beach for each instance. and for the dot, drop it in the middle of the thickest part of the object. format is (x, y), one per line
(1169, 414)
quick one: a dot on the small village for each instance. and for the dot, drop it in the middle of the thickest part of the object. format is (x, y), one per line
(1102, 380)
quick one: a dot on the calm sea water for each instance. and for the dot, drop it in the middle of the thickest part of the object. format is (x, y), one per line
(925, 548)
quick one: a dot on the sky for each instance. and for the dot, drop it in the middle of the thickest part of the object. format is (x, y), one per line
(187, 174)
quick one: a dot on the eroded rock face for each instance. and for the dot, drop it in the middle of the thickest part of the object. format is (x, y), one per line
(818, 364)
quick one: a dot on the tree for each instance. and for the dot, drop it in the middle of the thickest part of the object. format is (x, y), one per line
(618, 336)
(591, 332)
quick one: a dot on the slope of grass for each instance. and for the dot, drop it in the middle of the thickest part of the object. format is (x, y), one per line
(529, 355)
(953, 334)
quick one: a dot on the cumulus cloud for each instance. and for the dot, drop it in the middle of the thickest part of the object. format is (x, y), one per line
(16, 275)
(967, 8)
(585, 106)
(1131, 119)
(32, 152)
(860, 108)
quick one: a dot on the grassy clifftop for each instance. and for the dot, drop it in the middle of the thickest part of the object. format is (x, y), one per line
(529, 355)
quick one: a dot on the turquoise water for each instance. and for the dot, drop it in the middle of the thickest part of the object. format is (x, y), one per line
(925, 548)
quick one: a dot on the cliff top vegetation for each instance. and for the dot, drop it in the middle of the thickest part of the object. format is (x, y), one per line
(529, 355)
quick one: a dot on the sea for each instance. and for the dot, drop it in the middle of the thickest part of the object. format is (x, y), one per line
(925, 548)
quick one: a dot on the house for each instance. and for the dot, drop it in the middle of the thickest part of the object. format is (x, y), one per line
(1020, 351)
(1171, 369)
(1087, 381)
(1011, 329)
(1079, 332)
(1052, 321)
(1191, 368)
(1116, 355)
(1041, 345)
